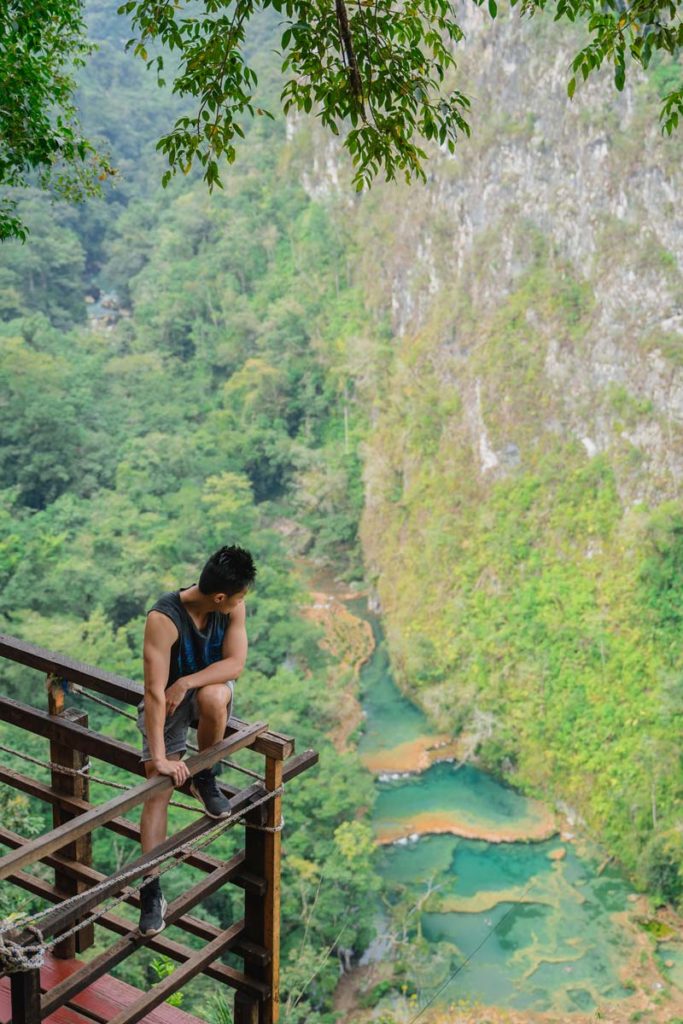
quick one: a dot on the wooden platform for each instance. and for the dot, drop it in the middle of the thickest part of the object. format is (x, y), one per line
(105, 998)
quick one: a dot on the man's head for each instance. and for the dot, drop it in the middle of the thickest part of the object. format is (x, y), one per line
(227, 576)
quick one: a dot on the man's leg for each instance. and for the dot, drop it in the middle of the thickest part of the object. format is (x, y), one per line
(213, 703)
(153, 826)
(154, 820)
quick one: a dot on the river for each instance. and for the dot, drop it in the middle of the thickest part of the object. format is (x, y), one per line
(502, 906)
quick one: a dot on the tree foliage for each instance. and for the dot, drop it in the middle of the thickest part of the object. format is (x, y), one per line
(377, 73)
(41, 43)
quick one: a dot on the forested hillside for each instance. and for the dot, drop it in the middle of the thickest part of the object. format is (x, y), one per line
(193, 404)
(482, 374)
(522, 518)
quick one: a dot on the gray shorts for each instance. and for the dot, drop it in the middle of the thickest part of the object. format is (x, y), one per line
(186, 715)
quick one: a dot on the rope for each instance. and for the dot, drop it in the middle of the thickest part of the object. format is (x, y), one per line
(13, 952)
(105, 703)
(264, 828)
(48, 764)
(85, 771)
(15, 957)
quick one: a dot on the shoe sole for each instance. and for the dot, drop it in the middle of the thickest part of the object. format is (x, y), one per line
(155, 931)
(195, 792)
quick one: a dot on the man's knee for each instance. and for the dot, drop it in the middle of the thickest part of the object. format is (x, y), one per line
(158, 801)
(213, 700)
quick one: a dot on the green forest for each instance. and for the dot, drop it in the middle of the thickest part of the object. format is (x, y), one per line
(212, 415)
(185, 370)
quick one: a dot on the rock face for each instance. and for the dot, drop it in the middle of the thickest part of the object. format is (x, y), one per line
(525, 395)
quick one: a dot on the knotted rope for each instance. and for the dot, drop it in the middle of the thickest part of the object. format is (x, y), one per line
(15, 957)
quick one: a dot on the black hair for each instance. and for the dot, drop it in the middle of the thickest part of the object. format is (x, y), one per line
(228, 571)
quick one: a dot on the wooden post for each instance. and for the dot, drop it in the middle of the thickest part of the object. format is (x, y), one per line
(246, 1009)
(69, 785)
(262, 913)
(273, 847)
(25, 996)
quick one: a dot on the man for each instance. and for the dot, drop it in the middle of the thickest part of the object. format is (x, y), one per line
(195, 646)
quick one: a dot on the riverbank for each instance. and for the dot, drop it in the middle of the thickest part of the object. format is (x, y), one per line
(436, 823)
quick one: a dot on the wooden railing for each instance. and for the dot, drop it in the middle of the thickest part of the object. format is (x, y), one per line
(80, 890)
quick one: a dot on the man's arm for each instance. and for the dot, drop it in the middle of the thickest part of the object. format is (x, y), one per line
(160, 635)
(230, 665)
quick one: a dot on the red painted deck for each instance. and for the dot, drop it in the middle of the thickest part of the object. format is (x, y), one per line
(106, 997)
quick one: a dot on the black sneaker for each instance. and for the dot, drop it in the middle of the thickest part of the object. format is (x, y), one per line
(153, 906)
(205, 788)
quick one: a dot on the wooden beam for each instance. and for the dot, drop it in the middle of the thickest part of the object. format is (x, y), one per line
(229, 871)
(295, 766)
(77, 785)
(148, 1001)
(160, 944)
(84, 823)
(125, 690)
(107, 960)
(129, 829)
(298, 764)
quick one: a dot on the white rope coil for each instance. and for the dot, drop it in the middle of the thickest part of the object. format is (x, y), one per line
(15, 957)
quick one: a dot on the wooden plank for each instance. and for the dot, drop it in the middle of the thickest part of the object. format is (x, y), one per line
(125, 690)
(84, 823)
(160, 944)
(77, 786)
(68, 668)
(293, 767)
(165, 988)
(96, 744)
(298, 764)
(103, 999)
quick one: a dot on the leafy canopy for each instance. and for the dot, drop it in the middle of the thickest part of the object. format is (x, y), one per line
(41, 42)
(375, 71)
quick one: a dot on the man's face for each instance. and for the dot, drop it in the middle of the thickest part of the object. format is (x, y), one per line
(226, 604)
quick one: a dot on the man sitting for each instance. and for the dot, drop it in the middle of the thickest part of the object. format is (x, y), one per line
(195, 646)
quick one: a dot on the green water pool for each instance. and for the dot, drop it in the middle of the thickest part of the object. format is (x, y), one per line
(547, 938)
(469, 796)
(523, 930)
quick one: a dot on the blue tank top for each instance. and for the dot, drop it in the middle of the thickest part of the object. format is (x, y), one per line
(194, 649)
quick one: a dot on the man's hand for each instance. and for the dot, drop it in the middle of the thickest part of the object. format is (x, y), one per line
(174, 695)
(177, 770)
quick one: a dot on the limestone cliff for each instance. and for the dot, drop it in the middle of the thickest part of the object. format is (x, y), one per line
(525, 389)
